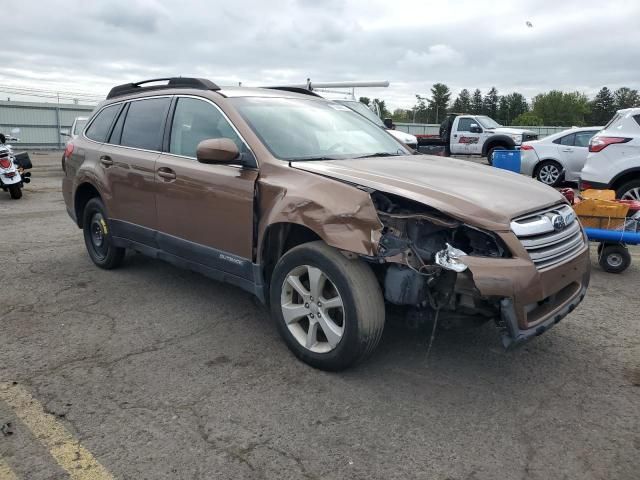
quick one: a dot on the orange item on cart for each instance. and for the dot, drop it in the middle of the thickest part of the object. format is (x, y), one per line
(597, 213)
(594, 194)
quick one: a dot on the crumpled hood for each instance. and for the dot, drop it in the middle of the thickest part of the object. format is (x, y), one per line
(477, 194)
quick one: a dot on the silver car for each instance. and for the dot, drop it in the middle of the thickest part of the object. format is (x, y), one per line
(77, 127)
(557, 157)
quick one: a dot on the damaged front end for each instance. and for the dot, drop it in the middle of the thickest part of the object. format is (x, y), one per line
(421, 255)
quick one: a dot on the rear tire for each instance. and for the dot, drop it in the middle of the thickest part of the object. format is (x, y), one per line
(15, 191)
(549, 172)
(614, 258)
(97, 236)
(490, 153)
(329, 338)
(629, 191)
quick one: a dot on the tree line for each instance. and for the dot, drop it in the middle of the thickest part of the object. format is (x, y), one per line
(554, 108)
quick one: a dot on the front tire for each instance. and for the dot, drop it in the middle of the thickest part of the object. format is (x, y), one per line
(97, 236)
(328, 309)
(15, 191)
(629, 191)
(549, 173)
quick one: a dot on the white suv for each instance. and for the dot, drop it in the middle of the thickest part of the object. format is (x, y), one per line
(614, 156)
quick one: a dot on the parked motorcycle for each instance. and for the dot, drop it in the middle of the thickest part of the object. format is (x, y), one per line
(13, 174)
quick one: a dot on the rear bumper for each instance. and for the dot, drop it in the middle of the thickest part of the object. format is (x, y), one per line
(528, 162)
(587, 184)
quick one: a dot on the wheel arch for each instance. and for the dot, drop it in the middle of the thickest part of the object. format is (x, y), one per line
(83, 193)
(539, 163)
(498, 141)
(624, 177)
(277, 240)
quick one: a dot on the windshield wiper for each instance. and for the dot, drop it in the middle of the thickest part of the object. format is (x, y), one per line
(368, 155)
(311, 159)
(379, 154)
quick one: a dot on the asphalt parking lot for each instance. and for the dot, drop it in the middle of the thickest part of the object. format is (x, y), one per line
(151, 372)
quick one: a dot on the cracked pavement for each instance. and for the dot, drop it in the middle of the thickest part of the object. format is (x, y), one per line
(163, 374)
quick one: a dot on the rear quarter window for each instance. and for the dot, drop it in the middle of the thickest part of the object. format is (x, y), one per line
(101, 124)
(566, 140)
(637, 119)
(144, 124)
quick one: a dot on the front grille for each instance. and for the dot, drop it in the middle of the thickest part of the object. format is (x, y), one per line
(550, 236)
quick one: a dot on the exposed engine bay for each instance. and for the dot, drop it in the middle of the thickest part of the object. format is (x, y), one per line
(423, 251)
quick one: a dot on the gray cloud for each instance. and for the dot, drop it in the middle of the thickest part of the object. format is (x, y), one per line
(89, 46)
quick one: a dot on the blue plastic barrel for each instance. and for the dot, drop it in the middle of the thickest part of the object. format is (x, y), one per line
(507, 160)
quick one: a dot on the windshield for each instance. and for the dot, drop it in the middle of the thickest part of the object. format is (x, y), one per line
(79, 126)
(301, 129)
(363, 110)
(487, 122)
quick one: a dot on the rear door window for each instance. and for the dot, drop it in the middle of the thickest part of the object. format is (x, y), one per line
(101, 124)
(144, 124)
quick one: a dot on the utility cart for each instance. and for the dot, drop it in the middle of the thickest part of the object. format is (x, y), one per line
(614, 224)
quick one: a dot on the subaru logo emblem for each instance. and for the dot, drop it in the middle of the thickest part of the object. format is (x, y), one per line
(558, 222)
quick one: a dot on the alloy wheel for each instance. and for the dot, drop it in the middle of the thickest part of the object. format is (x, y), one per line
(632, 194)
(549, 174)
(312, 309)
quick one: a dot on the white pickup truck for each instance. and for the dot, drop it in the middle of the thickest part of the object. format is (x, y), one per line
(476, 135)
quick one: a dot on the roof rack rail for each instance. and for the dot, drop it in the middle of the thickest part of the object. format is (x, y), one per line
(301, 90)
(172, 82)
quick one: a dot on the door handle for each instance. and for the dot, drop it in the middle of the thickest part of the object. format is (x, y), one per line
(166, 174)
(106, 161)
(568, 150)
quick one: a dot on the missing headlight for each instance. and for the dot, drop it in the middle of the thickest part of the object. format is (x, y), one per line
(424, 231)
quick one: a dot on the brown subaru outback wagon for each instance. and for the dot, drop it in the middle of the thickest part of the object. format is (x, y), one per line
(321, 214)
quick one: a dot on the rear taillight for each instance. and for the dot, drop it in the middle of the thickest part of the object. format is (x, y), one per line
(69, 150)
(526, 147)
(67, 153)
(598, 144)
(5, 163)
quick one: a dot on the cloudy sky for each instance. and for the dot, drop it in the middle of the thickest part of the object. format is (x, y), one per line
(89, 46)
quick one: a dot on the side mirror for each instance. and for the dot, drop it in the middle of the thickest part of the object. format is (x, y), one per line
(217, 151)
(389, 123)
(64, 133)
(474, 128)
